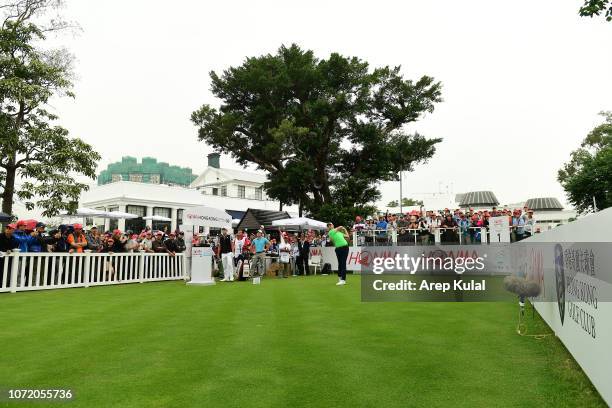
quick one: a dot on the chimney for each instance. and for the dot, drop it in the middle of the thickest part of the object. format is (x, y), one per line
(213, 160)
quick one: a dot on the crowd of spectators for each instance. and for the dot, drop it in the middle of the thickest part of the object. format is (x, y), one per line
(454, 226)
(32, 236)
(290, 249)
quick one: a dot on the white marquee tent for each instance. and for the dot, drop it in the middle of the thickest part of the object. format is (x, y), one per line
(300, 223)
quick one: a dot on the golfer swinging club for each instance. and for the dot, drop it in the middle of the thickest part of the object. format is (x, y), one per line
(338, 237)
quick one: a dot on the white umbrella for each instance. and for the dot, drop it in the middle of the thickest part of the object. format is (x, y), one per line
(235, 221)
(84, 212)
(156, 218)
(300, 223)
(119, 214)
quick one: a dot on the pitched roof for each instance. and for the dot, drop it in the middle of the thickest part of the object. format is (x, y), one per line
(231, 174)
(245, 175)
(254, 218)
(544, 203)
(476, 198)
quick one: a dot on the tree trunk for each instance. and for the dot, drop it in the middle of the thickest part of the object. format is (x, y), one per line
(9, 190)
(11, 168)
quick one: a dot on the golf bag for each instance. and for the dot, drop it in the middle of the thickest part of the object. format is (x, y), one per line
(326, 270)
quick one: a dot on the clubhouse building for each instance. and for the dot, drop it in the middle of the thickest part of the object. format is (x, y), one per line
(151, 188)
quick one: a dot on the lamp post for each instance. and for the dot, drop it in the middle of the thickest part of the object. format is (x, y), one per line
(400, 199)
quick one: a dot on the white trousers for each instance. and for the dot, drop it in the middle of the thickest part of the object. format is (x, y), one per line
(228, 266)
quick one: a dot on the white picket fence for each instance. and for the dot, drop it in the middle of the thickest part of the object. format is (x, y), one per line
(38, 271)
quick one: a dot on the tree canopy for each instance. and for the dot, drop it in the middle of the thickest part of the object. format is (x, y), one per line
(327, 131)
(38, 159)
(592, 8)
(588, 174)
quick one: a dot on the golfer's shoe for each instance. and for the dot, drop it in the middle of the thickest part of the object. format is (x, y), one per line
(341, 282)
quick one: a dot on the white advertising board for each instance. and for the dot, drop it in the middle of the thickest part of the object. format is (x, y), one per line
(574, 266)
(499, 229)
(207, 217)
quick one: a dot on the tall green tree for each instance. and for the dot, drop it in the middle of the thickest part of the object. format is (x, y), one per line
(592, 8)
(588, 174)
(327, 131)
(38, 159)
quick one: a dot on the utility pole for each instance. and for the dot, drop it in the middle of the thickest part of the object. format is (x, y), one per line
(400, 200)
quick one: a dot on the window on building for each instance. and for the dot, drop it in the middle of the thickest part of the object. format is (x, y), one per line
(259, 193)
(116, 177)
(241, 191)
(136, 225)
(162, 225)
(154, 179)
(215, 191)
(224, 191)
(136, 178)
(138, 210)
(162, 211)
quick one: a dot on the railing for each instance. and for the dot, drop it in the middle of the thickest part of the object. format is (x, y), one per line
(38, 271)
(428, 236)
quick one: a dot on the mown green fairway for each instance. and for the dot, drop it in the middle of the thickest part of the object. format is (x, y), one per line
(286, 343)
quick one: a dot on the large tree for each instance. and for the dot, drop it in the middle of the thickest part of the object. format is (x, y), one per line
(588, 174)
(38, 159)
(592, 8)
(327, 131)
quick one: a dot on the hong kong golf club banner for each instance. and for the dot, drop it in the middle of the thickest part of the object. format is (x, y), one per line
(573, 262)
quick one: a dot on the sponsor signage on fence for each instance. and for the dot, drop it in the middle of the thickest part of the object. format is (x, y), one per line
(362, 257)
(575, 271)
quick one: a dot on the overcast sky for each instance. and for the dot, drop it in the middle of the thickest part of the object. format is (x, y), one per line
(523, 81)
